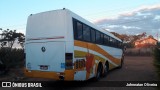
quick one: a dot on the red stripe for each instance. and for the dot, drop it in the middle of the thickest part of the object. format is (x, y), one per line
(60, 37)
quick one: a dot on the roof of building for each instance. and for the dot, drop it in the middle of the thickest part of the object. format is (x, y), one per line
(145, 39)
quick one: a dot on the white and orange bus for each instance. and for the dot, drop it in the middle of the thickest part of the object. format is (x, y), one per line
(61, 45)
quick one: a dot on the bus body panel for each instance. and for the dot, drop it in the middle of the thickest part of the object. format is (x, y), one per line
(117, 53)
(93, 54)
(45, 43)
(69, 33)
(42, 56)
(46, 24)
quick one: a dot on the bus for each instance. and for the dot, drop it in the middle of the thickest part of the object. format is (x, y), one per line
(61, 45)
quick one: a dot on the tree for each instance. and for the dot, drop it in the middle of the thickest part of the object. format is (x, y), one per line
(150, 36)
(129, 40)
(21, 39)
(10, 57)
(8, 37)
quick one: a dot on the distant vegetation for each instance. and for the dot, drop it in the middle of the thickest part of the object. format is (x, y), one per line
(156, 54)
(11, 57)
(130, 39)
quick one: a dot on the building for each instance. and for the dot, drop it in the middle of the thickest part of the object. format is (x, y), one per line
(146, 42)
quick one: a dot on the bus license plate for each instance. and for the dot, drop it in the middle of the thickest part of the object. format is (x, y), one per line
(43, 67)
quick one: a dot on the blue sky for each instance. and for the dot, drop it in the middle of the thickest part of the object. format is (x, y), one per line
(14, 13)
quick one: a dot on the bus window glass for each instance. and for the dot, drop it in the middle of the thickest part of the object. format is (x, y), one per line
(98, 37)
(102, 39)
(86, 33)
(93, 36)
(79, 31)
(106, 38)
(111, 41)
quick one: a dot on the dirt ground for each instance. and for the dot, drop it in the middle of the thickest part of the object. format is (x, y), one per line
(134, 69)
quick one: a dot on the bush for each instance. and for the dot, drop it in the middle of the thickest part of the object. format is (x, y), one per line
(156, 54)
(12, 58)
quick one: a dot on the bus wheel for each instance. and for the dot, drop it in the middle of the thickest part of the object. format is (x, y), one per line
(106, 69)
(99, 71)
(121, 63)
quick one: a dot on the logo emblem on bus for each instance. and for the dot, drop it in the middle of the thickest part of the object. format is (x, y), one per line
(43, 49)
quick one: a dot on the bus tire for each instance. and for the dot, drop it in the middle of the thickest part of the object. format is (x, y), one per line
(99, 72)
(122, 62)
(106, 69)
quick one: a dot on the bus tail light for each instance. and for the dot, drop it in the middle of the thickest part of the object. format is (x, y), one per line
(69, 61)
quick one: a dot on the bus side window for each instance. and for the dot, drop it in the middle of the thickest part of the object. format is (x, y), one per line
(74, 28)
(98, 37)
(114, 43)
(102, 38)
(117, 44)
(86, 33)
(111, 42)
(106, 40)
(79, 31)
(93, 35)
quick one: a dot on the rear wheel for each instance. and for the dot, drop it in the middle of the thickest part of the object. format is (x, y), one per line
(122, 62)
(99, 71)
(106, 69)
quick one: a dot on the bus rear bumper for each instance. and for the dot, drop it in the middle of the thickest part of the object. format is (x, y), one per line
(67, 75)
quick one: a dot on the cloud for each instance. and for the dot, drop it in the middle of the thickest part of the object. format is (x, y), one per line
(144, 19)
(157, 17)
(130, 27)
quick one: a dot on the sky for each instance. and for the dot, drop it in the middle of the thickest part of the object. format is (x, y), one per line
(144, 19)
(103, 13)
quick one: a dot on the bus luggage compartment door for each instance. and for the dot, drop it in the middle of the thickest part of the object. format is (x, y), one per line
(47, 56)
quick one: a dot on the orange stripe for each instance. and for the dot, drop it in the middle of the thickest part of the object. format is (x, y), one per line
(96, 48)
(68, 74)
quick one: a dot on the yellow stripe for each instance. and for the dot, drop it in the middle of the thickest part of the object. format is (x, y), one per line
(97, 49)
(68, 74)
(79, 54)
